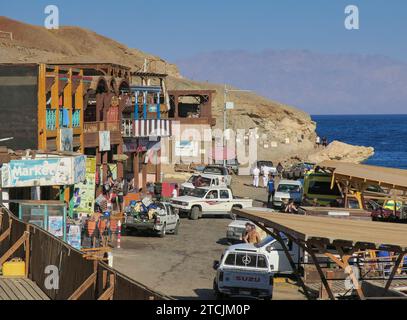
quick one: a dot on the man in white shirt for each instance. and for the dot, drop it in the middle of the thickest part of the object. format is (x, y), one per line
(175, 191)
(266, 172)
(256, 174)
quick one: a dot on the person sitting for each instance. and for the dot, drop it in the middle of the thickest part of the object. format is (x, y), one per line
(251, 235)
(291, 207)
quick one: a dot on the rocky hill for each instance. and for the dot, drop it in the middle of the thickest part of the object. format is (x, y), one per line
(283, 131)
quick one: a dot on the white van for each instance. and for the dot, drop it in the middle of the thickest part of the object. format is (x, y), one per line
(274, 252)
(243, 274)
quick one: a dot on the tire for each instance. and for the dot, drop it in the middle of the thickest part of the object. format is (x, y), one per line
(163, 231)
(176, 228)
(195, 213)
(218, 294)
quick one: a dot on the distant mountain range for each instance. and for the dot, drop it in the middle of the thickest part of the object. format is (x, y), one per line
(317, 83)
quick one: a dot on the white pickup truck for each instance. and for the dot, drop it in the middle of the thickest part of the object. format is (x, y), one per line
(201, 201)
(243, 274)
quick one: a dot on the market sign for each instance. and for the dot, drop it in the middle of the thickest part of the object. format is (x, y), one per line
(50, 171)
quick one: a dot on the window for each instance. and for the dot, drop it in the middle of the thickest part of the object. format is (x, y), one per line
(224, 194)
(212, 194)
(323, 188)
(230, 259)
(246, 260)
(353, 204)
(261, 262)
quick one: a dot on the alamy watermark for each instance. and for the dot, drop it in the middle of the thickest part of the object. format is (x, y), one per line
(52, 19)
(352, 18)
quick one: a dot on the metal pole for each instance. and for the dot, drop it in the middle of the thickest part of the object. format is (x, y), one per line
(224, 125)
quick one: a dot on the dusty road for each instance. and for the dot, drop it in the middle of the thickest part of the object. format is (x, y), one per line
(181, 266)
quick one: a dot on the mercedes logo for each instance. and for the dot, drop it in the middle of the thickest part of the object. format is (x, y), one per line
(246, 260)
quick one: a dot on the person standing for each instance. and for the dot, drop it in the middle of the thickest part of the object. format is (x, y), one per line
(256, 174)
(318, 141)
(280, 169)
(175, 191)
(270, 190)
(266, 172)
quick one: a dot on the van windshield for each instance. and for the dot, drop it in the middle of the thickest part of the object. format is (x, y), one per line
(288, 188)
(201, 181)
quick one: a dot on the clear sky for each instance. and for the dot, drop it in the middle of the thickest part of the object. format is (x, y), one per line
(175, 29)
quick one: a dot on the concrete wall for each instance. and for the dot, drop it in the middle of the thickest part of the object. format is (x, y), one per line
(18, 105)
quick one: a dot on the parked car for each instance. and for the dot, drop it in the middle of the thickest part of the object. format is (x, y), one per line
(220, 171)
(201, 201)
(165, 221)
(202, 180)
(286, 190)
(298, 171)
(265, 164)
(243, 274)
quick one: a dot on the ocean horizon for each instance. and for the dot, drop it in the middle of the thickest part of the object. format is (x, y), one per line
(386, 133)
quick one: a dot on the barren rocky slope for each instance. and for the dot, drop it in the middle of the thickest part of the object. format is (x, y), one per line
(283, 131)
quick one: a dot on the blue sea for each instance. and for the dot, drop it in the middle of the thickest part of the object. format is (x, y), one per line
(386, 133)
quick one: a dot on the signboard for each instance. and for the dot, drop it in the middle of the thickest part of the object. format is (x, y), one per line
(104, 140)
(186, 148)
(50, 171)
(56, 225)
(229, 105)
(84, 195)
(66, 139)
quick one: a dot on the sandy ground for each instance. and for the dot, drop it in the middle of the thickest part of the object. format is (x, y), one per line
(181, 266)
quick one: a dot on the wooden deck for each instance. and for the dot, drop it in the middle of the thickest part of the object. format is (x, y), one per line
(20, 289)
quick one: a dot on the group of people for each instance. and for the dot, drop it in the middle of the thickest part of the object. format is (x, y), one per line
(265, 173)
(112, 195)
(321, 142)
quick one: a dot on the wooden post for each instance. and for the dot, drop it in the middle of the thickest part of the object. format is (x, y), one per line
(393, 272)
(83, 287)
(41, 108)
(27, 251)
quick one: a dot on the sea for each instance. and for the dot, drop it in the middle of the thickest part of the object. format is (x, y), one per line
(387, 134)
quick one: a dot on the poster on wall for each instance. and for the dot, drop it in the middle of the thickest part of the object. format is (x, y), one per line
(84, 195)
(49, 171)
(104, 140)
(186, 148)
(74, 236)
(56, 225)
(66, 139)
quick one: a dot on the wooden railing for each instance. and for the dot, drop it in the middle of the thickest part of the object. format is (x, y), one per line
(89, 127)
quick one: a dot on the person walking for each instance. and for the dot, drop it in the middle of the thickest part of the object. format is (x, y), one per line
(256, 174)
(270, 190)
(175, 191)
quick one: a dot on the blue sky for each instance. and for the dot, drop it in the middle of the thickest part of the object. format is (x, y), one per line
(178, 28)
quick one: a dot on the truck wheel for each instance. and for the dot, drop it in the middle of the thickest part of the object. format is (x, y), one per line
(163, 231)
(195, 213)
(176, 228)
(218, 294)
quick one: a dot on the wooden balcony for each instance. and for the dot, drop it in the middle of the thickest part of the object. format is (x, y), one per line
(91, 132)
(146, 128)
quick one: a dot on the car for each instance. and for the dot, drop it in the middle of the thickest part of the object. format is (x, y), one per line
(243, 274)
(237, 228)
(286, 190)
(298, 171)
(165, 221)
(220, 171)
(213, 201)
(203, 180)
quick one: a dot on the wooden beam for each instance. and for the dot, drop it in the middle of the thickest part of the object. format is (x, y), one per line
(320, 272)
(393, 272)
(83, 287)
(6, 233)
(14, 248)
(352, 275)
(108, 294)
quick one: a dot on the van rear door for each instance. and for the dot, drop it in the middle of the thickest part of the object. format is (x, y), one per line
(246, 271)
